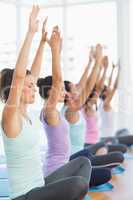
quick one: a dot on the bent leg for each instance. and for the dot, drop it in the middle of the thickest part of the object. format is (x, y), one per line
(72, 188)
(100, 176)
(77, 167)
(109, 160)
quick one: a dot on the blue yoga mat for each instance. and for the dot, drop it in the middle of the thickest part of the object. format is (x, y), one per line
(102, 188)
(5, 198)
(87, 198)
(118, 170)
(130, 146)
(128, 156)
(3, 172)
(4, 188)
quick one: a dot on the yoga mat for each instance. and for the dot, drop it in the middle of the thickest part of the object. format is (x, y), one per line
(102, 188)
(4, 188)
(118, 170)
(130, 146)
(87, 198)
(5, 198)
(128, 156)
(3, 172)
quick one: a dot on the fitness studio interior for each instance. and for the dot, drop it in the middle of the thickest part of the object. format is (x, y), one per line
(66, 99)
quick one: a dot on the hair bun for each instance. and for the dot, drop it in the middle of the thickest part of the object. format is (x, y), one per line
(40, 82)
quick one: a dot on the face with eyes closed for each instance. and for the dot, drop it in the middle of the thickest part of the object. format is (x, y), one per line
(29, 89)
(62, 93)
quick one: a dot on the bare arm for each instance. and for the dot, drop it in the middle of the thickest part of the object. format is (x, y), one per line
(117, 79)
(111, 76)
(51, 113)
(36, 66)
(77, 104)
(100, 84)
(84, 77)
(10, 113)
(111, 93)
(99, 75)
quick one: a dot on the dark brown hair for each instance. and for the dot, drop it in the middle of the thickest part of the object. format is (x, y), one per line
(6, 76)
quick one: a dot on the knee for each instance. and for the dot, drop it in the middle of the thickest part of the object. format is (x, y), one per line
(123, 148)
(117, 157)
(85, 161)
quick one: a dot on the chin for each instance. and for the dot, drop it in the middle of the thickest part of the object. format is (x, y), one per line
(62, 100)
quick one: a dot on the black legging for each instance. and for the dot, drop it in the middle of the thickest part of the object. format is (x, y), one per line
(70, 182)
(125, 140)
(100, 172)
(110, 160)
(100, 176)
(104, 143)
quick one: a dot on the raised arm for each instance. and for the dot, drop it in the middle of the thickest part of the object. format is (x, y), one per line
(111, 92)
(84, 77)
(36, 66)
(51, 113)
(100, 83)
(117, 79)
(78, 103)
(11, 108)
(111, 76)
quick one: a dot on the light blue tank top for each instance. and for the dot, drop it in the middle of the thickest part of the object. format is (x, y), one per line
(24, 160)
(77, 132)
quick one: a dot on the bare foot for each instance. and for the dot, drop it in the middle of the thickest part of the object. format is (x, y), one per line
(102, 151)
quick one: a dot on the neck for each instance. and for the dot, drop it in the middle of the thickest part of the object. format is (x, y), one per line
(107, 107)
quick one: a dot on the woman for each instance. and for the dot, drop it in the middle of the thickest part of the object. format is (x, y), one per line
(22, 142)
(76, 118)
(92, 133)
(57, 128)
(106, 115)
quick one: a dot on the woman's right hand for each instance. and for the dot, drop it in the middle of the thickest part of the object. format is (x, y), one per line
(55, 39)
(33, 22)
(44, 32)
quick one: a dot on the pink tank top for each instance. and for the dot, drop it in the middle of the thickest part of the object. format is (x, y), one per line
(92, 132)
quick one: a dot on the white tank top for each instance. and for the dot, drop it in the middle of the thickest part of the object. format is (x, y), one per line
(106, 121)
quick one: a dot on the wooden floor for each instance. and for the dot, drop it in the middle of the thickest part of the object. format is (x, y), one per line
(123, 185)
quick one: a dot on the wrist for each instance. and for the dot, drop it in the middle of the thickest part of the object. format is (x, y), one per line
(30, 33)
(42, 42)
(55, 50)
